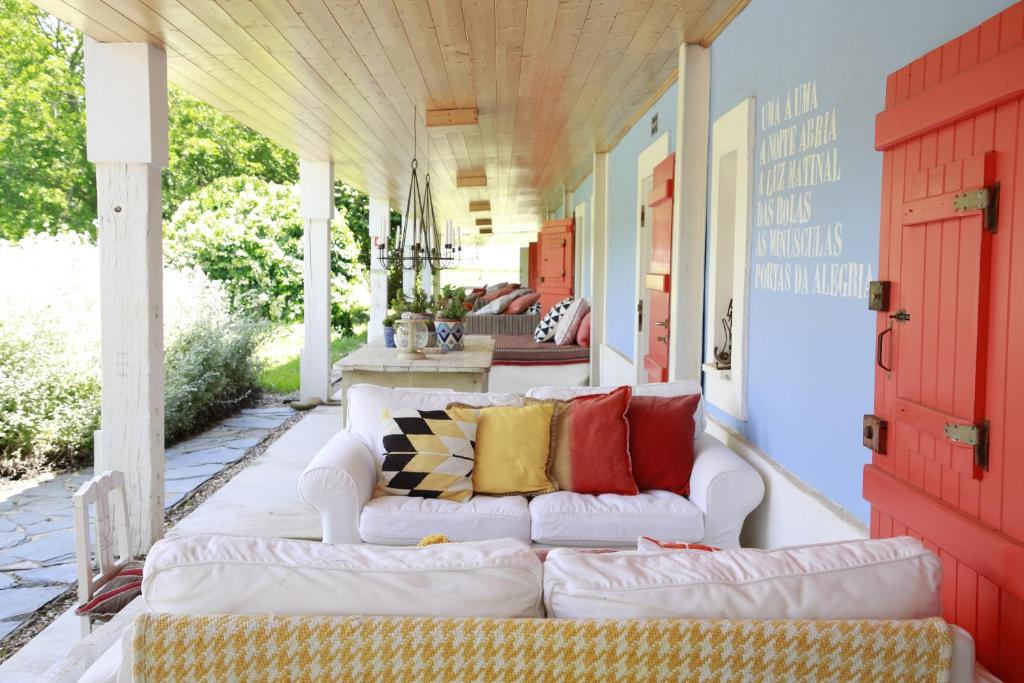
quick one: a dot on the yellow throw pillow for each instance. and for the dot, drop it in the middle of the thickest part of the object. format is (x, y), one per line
(513, 450)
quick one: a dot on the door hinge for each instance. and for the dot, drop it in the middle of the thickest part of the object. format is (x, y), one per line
(985, 200)
(875, 432)
(640, 316)
(971, 435)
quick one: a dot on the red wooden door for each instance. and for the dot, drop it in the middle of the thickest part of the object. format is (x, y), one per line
(534, 266)
(950, 367)
(557, 257)
(658, 278)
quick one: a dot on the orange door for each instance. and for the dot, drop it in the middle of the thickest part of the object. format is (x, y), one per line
(532, 284)
(949, 375)
(658, 278)
(556, 260)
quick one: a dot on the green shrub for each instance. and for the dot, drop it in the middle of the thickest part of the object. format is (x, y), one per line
(247, 234)
(50, 343)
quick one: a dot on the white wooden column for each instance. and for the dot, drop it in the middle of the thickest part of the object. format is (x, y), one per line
(380, 220)
(686, 342)
(316, 185)
(126, 137)
(599, 266)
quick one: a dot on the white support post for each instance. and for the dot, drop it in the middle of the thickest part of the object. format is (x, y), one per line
(316, 186)
(408, 275)
(599, 266)
(380, 221)
(691, 175)
(126, 137)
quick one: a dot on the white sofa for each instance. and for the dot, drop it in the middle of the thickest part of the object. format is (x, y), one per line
(339, 484)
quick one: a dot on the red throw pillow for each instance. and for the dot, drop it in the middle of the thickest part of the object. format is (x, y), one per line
(590, 440)
(648, 544)
(521, 303)
(583, 334)
(507, 289)
(661, 441)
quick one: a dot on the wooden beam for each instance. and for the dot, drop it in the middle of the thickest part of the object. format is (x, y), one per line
(476, 178)
(483, 221)
(486, 231)
(481, 205)
(126, 121)
(452, 117)
(316, 185)
(380, 221)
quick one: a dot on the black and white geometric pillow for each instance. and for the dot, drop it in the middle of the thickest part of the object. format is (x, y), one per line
(429, 454)
(534, 307)
(546, 329)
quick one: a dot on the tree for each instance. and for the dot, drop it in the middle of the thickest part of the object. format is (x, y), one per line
(247, 233)
(206, 145)
(48, 184)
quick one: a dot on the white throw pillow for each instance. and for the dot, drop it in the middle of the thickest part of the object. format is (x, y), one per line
(893, 578)
(501, 303)
(569, 324)
(368, 407)
(683, 387)
(217, 574)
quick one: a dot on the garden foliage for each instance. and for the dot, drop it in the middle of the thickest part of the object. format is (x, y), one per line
(50, 352)
(247, 234)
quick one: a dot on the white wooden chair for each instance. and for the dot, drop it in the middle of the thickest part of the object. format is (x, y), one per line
(106, 492)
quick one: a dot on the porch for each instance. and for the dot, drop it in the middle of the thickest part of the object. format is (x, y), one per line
(793, 206)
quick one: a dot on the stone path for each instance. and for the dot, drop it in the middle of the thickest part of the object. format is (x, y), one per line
(37, 546)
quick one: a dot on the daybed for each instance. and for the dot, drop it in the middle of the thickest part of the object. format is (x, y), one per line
(304, 611)
(340, 482)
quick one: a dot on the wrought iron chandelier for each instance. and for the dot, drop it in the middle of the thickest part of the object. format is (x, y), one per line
(418, 242)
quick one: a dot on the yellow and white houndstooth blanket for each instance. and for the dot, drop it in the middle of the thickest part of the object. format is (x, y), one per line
(169, 648)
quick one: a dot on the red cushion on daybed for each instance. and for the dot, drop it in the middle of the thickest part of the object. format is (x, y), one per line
(521, 303)
(583, 334)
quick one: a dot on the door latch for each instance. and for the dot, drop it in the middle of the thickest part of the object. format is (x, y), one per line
(640, 316)
(875, 431)
(971, 435)
(878, 295)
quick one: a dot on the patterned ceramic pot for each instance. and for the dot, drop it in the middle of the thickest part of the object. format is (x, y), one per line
(389, 337)
(450, 334)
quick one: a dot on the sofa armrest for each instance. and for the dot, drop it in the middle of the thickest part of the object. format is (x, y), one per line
(725, 488)
(337, 483)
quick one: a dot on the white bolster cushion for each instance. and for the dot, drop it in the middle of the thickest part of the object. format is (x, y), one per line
(219, 574)
(895, 578)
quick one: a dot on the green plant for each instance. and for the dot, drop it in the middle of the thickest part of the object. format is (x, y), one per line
(452, 310)
(280, 356)
(247, 234)
(420, 302)
(49, 352)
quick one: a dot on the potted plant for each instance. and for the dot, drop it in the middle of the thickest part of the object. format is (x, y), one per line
(419, 308)
(449, 324)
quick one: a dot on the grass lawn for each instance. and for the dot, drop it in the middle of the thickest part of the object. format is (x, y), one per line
(280, 354)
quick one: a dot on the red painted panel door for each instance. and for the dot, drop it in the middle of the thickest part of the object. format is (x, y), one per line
(534, 266)
(557, 256)
(658, 278)
(949, 376)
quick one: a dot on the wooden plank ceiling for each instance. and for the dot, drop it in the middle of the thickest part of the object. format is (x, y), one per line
(552, 81)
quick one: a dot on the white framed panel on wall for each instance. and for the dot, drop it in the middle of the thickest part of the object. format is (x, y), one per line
(732, 148)
(581, 223)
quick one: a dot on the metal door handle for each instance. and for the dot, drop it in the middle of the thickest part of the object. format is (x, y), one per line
(878, 348)
(662, 323)
(663, 339)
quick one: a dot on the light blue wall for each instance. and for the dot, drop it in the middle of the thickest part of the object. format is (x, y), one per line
(810, 372)
(585, 193)
(622, 205)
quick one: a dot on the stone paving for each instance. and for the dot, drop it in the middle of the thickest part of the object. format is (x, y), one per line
(37, 545)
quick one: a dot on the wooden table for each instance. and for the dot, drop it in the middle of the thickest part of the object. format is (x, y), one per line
(466, 370)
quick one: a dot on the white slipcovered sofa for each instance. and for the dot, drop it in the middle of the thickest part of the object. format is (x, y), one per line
(339, 484)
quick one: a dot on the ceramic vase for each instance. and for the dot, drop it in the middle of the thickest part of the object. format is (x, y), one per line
(450, 334)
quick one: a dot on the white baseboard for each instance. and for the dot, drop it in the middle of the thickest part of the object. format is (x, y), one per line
(616, 369)
(792, 513)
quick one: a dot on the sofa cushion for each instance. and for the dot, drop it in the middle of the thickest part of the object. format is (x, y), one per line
(499, 304)
(429, 454)
(287, 577)
(661, 441)
(590, 443)
(513, 449)
(368, 407)
(569, 518)
(397, 520)
(569, 323)
(682, 387)
(893, 578)
(546, 327)
(521, 303)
